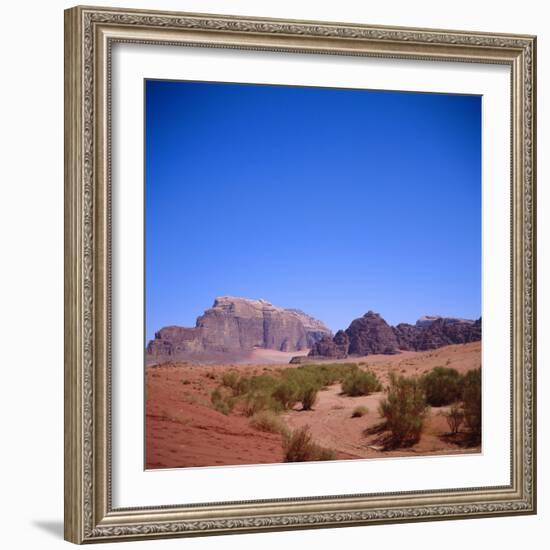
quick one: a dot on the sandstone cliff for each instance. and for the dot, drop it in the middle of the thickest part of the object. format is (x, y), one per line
(237, 324)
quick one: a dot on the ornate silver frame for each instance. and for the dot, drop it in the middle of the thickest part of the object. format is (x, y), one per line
(89, 35)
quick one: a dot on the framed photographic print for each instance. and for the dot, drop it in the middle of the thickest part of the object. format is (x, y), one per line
(300, 274)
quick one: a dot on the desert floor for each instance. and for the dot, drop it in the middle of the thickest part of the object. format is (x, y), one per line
(182, 428)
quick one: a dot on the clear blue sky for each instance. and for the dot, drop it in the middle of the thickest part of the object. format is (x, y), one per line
(331, 201)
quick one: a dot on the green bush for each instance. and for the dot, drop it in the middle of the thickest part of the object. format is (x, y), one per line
(359, 411)
(242, 387)
(260, 400)
(221, 401)
(230, 379)
(298, 446)
(300, 385)
(268, 393)
(327, 374)
(404, 409)
(268, 421)
(442, 386)
(262, 382)
(286, 393)
(222, 407)
(308, 396)
(471, 396)
(361, 383)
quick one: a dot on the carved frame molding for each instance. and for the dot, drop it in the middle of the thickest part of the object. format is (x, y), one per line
(89, 35)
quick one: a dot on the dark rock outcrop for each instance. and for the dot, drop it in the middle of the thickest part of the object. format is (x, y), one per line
(371, 334)
(335, 348)
(236, 324)
(446, 331)
(406, 336)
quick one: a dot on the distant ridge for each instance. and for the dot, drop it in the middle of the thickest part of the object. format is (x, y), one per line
(371, 334)
(234, 326)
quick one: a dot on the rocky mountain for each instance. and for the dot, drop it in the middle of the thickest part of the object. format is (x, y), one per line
(238, 324)
(371, 334)
(440, 331)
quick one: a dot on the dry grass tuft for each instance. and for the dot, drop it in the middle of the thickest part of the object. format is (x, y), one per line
(298, 446)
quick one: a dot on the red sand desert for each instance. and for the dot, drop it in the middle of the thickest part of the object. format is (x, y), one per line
(184, 430)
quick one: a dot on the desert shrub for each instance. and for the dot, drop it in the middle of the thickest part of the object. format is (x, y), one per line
(268, 393)
(455, 418)
(298, 446)
(359, 411)
(222, 407)
(323, 375)
(361, 383)
(304, 374)
(216, 395)
(263, 382)
(221, 401)
(404, 409)
(308, 396)
(471, 396)
(299, 385)
(286, 393)
(326, 374)
(242, 386)
(442, 386)
(230, 379)
(268, 421)
(260, 400)
(341, 371)
(254, 403)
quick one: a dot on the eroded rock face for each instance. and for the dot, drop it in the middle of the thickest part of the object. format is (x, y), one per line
(406, 335)
(234, 324)
(335, 348)
(315, 329)
(446, 331)
(371, 334)
(171, 340)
